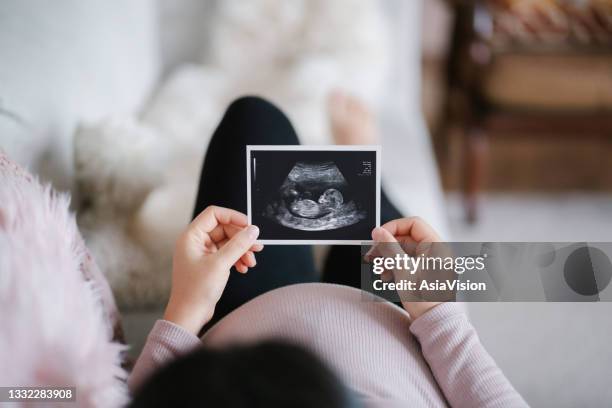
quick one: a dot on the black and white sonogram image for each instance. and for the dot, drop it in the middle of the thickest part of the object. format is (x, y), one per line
(300, 194)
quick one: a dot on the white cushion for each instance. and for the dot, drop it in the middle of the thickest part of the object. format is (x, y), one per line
(65, 61)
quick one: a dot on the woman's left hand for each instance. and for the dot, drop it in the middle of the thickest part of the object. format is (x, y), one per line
(410, 230)
(204, 253)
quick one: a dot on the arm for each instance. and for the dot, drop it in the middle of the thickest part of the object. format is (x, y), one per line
(466, 373)
(464, 370)
(215, 241)
(166, 342)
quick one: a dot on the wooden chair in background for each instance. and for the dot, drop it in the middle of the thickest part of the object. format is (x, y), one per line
(526, 68)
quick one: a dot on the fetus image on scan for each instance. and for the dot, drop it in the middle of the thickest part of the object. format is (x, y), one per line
(314, 197)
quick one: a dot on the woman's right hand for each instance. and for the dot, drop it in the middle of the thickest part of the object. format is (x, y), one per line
(414, 231)
(216, 240)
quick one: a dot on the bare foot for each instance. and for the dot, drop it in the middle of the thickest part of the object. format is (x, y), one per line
(352, 123)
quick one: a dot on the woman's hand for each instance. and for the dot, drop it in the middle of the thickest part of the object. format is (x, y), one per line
(204, 253)
(413, 231)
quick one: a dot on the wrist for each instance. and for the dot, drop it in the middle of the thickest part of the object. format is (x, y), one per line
(190, 317)
(417, 309)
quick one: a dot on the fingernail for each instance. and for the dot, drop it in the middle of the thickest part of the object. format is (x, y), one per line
(376, 233)
(252, 231)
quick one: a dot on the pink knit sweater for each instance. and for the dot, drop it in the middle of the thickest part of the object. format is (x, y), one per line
(437, 360)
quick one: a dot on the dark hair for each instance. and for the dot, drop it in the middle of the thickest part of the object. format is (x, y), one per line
(267, 374)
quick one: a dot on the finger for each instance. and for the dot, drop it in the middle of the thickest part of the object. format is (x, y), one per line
(224, 231)
(253, 248)
(380, 234)
(385, 243)
(414, 228)
(240, 267)
(375, 249)
(221, 233)
(213, 216)
(249, 259)
(236, 247)
(389, 247)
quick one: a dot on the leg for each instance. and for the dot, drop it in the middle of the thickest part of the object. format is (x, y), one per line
(352, 122)
(249, 121)
(343, 263)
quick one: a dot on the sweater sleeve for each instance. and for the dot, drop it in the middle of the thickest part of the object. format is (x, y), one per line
(466, 373)
(165, 343)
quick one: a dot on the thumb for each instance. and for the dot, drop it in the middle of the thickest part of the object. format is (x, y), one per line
(238, 245)
(379, 234)
(385, 243)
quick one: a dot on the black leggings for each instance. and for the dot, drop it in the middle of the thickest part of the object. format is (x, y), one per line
(254, 121)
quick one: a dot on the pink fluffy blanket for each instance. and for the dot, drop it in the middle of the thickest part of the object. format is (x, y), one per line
(58, 320)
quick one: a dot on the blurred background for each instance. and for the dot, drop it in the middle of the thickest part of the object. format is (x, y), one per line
(495, 119)
(517, 95)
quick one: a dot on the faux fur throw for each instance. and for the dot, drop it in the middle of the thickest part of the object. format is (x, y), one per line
(57, 315)
(137, 175)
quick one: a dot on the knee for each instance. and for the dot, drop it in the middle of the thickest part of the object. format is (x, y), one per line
(254, 120)
(251, 106)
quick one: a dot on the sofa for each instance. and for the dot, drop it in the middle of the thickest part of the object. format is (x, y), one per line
(75, 63)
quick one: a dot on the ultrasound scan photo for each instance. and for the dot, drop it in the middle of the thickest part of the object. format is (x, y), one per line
(304, 194)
